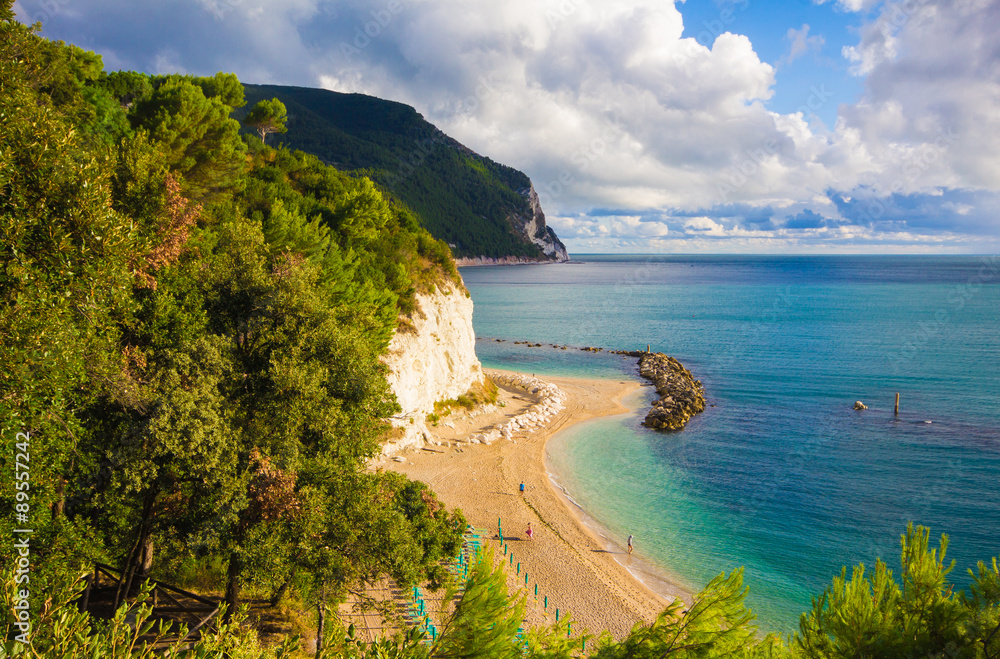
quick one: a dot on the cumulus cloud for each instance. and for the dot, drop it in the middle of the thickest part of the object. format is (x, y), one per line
(929, 118)
(608, 105)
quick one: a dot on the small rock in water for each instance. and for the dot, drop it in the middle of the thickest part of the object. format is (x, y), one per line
(858, 405)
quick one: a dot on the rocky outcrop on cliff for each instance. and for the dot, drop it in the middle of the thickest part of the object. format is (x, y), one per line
(432, 360)
(530, 225)
(681, 396)
(538, 232)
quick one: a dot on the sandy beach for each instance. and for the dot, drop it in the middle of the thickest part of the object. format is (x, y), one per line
(582, 573)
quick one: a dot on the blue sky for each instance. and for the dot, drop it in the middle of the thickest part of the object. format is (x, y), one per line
(817, 33)
(795, 126)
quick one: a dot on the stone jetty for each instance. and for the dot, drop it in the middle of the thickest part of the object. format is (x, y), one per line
(681, 396)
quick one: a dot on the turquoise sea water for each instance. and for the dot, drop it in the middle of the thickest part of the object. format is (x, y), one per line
(780, 475)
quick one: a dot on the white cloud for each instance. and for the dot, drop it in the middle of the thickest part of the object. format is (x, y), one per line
(852, 5)
(606, 106)
(929, 116)
(801, 43)
(704, 226)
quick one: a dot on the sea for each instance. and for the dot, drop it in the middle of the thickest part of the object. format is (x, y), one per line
(779, 475)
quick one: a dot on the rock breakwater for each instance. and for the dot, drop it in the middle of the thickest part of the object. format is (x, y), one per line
(550, 400)
(681, 396)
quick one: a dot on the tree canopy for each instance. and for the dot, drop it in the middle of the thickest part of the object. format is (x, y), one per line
(267, 116)
(877, 617)
(190, 331)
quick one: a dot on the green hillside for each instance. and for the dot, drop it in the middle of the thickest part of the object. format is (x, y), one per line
(469, 201)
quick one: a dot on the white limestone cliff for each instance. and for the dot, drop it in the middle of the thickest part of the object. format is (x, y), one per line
(435, 360)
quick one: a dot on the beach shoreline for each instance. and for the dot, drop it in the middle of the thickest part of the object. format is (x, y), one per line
(582, 571)
(645, 570)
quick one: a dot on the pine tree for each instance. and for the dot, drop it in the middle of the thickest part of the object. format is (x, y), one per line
(267, 117)
(876, 616)
(197, 138)
(717, 624)
(485, 621)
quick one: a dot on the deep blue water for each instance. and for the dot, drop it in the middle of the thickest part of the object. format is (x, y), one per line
(780, 475)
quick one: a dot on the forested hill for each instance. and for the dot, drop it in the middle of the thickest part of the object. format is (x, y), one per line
(478, 206)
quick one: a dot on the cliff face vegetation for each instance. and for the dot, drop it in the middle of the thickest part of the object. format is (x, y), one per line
(483, 209)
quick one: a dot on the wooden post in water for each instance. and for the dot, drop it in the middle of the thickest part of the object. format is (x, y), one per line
(647, 347)
(896, 411)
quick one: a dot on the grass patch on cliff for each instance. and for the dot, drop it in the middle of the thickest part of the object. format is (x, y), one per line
(482, 393)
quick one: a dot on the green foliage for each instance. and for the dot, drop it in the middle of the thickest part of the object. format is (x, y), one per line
(61, 630)
(411, 646)
(717, 624)
(876, 616)
(555, 641)
(267, 117)
(480, 394)
(983, 605)
(368, 525)
(225, 87)
(287, 230)
(68, 79)
(127, 86)
(195, 136)
(65, 276)
(485, 620)
(203, 380)
(333, 219)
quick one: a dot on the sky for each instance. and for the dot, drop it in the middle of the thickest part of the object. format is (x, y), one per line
(706, 126)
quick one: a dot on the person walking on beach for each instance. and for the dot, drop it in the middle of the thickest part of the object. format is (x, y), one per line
(529, 531)
(630, 545)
